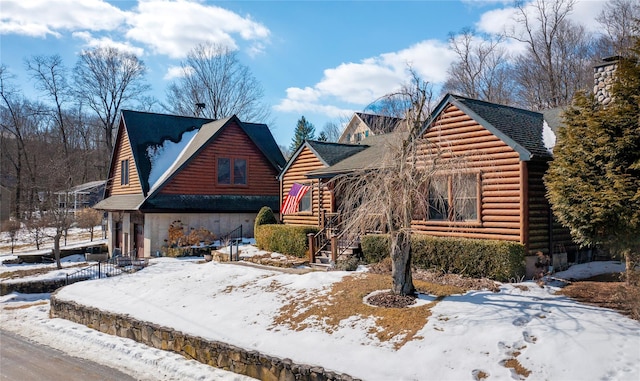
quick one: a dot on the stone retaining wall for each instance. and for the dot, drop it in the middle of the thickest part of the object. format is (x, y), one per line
(32, 287)
(220, 355)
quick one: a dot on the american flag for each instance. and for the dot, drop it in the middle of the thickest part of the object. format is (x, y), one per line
(290, 204)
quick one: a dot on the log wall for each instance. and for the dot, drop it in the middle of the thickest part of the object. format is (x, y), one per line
(540, 214)
(123, 152)
(457, 135)
(200, 177)
(305, 162)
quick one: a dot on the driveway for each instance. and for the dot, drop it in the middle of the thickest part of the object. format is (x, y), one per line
(21, 359)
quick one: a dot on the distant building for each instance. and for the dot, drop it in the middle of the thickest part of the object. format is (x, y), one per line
(81, 196)
(363, 125)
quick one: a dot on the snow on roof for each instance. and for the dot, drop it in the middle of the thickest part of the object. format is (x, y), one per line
(548, 137)
(163, 156)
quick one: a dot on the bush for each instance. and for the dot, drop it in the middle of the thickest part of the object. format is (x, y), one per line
(498, 260)
(349, 264)
(265, 216)
(285, 239)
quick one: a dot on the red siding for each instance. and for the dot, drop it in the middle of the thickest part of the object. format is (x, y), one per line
(200, 177)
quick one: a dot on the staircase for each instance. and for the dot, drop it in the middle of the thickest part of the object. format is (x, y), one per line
(332, 244)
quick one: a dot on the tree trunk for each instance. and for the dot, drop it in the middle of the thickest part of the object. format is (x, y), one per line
(401, 263)
(56, 250)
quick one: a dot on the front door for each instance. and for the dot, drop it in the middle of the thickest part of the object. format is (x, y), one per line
(138, 240)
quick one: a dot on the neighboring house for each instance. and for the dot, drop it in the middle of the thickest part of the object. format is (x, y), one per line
(207, 174)
(81, 196)
(5, 204)
(507, 158)
(319, 200)
(363, 125)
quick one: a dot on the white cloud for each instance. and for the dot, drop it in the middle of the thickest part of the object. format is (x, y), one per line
(174, 27)
(361, 83)
(177, 72)
(39, 18)
(498, 20)
(93, 42)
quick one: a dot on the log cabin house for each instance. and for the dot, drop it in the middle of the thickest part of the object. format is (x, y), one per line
(212, 174)
(507, 151)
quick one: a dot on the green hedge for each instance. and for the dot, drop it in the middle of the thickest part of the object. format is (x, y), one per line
(265, 216)
(285, 239)
(499, 260)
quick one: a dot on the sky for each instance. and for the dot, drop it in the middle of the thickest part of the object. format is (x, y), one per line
(552, 336)
(322, 60)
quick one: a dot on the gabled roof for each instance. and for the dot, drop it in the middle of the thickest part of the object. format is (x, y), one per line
(375, 148)
(258, 133)
(150, 130)
(518, 128)
(380, 124)
(146, 129)
(329, 153)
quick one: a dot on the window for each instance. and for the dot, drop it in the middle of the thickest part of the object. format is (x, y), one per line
(366, 133)
(240, 171)
(124, 172)
(305, 202)
(228, 172)
(453, 198)
(224, 171)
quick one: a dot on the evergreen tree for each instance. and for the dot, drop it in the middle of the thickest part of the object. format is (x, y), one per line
(304, 131)
(593, 183)
(323, 137)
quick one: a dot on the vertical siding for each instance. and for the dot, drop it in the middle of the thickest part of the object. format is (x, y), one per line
(305, 162)
(199, 177)
(499, 168)
(123, 152)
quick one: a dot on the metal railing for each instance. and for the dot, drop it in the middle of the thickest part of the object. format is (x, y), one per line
(117, 265)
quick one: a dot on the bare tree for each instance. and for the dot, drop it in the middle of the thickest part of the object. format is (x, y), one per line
(331, 131)
(12, 227)
(214, 84)
(107, 79)
(89, 218)
(481, 70)
(50, 76)
(558, 54)
(384, 195)
(619, 18)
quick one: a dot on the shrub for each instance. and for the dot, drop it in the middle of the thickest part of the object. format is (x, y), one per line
(348, 264)
(285, 239)
(498, 260)
(265, 216)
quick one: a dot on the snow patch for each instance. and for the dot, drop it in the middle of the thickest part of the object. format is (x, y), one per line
(163, 156)
(548, 137)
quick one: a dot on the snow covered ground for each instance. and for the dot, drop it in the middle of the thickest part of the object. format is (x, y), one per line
(466, 335)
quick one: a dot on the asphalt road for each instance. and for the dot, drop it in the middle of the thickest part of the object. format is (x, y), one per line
(23, 360)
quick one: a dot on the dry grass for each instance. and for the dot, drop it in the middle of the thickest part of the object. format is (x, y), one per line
(614, 295)
(514, 364)
(345, 300)
(24, 306)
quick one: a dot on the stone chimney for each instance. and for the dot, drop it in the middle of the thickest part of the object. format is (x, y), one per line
(603, 75)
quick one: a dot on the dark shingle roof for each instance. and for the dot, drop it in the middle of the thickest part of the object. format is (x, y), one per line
(147, 129)
(380, 124)
(374, 150)
(520, 129)
(331, 153)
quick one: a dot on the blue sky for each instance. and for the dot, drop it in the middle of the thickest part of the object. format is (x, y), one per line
(320, 59)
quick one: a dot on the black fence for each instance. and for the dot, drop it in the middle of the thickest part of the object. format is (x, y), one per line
(113, 267)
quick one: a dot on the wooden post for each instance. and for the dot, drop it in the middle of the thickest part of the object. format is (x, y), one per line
(334, 249)
(312, 248)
